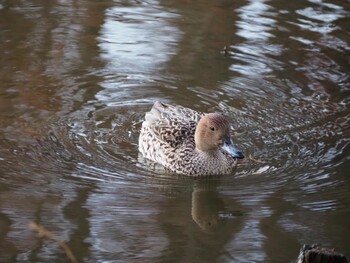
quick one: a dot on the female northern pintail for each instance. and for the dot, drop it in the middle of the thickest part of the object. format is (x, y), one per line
(188, 142)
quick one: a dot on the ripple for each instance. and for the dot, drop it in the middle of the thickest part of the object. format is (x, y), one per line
(255, 23)
(102, 146)
(320, 18)
(255, 54)
(70, 159)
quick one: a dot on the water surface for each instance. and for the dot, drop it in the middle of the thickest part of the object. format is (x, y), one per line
(76, 79)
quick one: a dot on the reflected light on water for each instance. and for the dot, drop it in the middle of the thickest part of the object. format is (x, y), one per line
(130, 44)
(134, 53)
(323, 13)
(256, 20)
(77, 78)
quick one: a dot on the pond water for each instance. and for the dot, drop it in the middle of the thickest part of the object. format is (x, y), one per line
(76, 79)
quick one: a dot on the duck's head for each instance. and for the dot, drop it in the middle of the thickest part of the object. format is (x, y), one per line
(213, 132)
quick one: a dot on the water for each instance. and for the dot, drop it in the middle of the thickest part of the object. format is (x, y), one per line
(76, 79)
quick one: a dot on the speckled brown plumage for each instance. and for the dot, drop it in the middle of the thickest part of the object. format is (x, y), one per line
(168, 137)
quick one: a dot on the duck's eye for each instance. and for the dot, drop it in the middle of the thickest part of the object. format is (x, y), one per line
(212, 128)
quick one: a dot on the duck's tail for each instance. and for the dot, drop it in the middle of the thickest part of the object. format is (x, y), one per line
(154, 114)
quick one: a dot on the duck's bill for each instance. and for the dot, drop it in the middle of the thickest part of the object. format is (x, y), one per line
(231, 149)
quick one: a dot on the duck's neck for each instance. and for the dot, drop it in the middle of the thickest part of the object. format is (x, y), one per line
(211, 153)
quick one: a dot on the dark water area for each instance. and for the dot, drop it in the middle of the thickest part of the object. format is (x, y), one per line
(76, 78)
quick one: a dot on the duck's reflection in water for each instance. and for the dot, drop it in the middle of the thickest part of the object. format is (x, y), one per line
(209, 211)
(200, 224)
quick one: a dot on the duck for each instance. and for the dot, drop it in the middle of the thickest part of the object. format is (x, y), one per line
(188, 142)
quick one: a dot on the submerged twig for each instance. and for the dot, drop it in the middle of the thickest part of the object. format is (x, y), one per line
(43, 232)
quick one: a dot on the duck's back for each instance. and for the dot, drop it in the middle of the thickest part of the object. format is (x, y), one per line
(165, 113)
(166, 129)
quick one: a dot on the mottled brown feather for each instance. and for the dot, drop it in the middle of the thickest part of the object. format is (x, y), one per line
(168, 137)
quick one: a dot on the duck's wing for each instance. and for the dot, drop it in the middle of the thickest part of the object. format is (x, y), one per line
(172, 124)
(174, 133)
